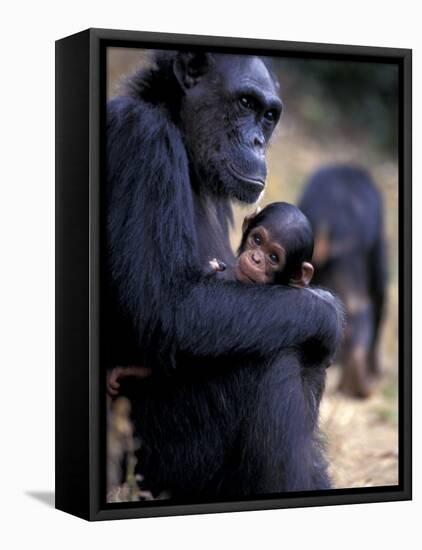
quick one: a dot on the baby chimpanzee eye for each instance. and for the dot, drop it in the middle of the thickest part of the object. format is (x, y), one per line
(257, 239)
(274, 258)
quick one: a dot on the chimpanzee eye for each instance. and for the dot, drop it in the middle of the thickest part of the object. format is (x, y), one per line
(257, 239)
(247, 102)
(274, 258)
(270, 115)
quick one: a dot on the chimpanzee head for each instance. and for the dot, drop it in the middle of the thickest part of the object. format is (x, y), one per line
(276, 247)
(228, 111)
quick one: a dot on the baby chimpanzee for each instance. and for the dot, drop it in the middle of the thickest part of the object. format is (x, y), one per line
(276, 248)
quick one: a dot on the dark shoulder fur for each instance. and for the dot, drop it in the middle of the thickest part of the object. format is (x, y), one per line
(147, 176)
(157, 83)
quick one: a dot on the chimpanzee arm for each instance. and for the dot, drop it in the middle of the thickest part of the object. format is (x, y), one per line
(233, 319)
(153, 263)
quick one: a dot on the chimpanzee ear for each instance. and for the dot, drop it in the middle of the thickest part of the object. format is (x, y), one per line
(305, 276)
(247, 220)
(189, 67)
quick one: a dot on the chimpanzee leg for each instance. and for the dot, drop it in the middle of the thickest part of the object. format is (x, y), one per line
(355, 380)
(378, 278)
(354, 377)
(374, 361)
(278, 443)
(187, 451)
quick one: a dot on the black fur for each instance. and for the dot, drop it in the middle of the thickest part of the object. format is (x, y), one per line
(230, 409)
(343, 202)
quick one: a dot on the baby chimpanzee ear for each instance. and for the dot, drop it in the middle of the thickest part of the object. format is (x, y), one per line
(305, 276)
(247, 220)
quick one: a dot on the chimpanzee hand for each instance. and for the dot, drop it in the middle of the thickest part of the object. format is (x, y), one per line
(217, 265)
(118, 373)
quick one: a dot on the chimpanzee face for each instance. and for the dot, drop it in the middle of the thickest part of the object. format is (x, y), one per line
(229, 111)
(261, 259)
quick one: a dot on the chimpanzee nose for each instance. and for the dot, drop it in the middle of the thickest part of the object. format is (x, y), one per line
(256, 257)
(259, 142)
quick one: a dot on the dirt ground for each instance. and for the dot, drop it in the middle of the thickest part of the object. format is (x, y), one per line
(361, 435)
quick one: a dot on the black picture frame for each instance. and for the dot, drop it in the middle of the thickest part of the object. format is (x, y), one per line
(80, 429)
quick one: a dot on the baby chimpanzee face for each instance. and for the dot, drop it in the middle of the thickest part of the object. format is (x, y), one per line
(261, 258)
(276, 247)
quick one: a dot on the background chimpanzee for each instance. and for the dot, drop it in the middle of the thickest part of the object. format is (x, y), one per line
(346, 213)
(276, 247)
(229, 409)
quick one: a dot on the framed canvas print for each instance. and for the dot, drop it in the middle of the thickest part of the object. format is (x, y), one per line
(233, 246)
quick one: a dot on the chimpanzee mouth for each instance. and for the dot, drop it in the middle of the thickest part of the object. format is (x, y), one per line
(246, 277)
(246, 179)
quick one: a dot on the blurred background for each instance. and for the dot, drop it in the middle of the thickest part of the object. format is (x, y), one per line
(335, 112)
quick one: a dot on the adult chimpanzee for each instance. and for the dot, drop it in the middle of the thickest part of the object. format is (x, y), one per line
(345, 210)
(229, 409)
